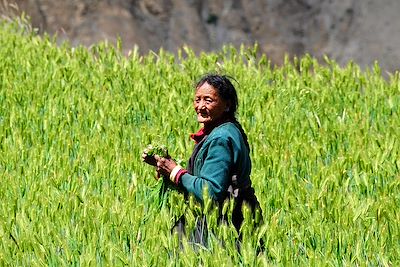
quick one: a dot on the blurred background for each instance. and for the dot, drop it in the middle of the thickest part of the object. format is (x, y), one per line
(363, 31)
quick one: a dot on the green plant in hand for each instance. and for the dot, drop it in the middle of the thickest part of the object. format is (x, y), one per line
(159, 150)
(160, 192)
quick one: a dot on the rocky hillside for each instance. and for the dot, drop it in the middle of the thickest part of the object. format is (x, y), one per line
(363, 31)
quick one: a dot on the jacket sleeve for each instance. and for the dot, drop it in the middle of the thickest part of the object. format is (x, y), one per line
(214, 172)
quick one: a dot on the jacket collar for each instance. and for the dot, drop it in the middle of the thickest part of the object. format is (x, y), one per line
(204, 131)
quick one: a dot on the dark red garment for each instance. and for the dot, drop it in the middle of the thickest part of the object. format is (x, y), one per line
(197, 137)
(179, 175)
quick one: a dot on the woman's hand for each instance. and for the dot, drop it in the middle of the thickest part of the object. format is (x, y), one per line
(148, 159)
(164, 165)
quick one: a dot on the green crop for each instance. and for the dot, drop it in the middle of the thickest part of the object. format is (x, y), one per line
(75, 192)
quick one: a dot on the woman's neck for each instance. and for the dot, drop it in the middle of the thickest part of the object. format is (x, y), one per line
(208, 127)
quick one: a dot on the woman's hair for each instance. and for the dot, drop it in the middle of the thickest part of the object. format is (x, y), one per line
(227, 92)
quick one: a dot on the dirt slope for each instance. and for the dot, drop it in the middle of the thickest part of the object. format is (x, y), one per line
(364, 31)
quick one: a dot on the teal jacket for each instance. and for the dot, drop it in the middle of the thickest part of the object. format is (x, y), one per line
(223, 154)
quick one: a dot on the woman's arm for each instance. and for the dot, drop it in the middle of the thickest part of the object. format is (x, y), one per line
(214, 172)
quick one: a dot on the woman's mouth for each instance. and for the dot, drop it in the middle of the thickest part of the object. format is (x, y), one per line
(203, 114)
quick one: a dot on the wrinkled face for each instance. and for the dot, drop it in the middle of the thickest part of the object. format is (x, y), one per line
(209, 106)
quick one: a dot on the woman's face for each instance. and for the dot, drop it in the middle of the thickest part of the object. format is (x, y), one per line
(209, 106)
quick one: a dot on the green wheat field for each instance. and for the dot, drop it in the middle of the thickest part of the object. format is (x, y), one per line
(74, 191)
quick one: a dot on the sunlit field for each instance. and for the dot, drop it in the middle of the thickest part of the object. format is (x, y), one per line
(74, 191)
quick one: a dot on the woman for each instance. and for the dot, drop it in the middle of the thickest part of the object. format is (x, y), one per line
(220, 160)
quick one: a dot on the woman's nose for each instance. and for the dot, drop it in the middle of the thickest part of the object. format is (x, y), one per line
(201, 104)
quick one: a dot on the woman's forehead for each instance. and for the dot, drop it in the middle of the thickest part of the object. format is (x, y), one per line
(206, 89)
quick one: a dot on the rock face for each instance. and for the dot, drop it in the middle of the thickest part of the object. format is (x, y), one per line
(362, 31)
